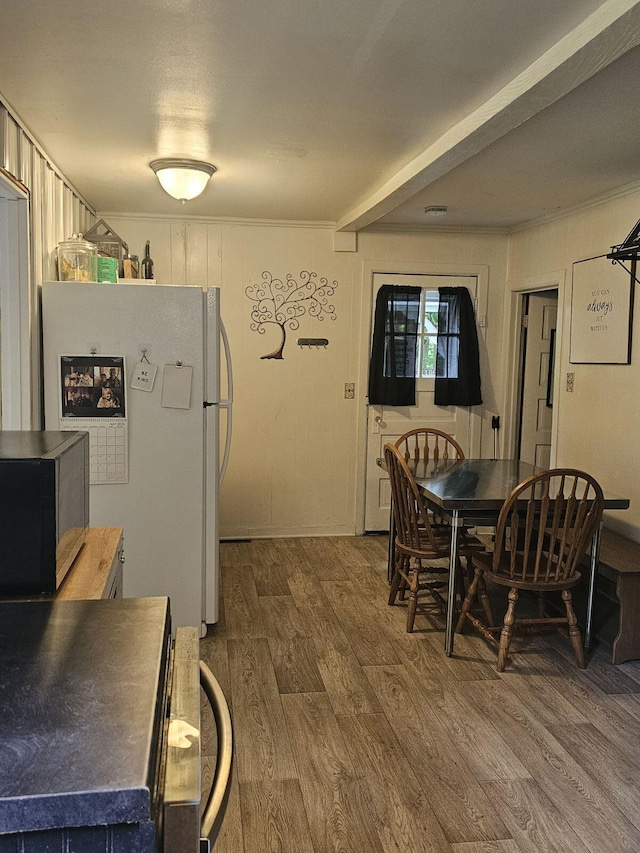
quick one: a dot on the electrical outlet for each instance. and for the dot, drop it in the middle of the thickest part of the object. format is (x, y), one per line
(349, 390)
(570, 378)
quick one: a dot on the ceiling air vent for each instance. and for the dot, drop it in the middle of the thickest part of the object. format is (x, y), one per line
(436, 210)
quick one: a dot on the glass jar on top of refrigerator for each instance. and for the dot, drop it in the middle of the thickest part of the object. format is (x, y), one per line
(77, 259)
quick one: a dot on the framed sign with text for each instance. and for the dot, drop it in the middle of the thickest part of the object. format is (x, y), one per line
(601, 313)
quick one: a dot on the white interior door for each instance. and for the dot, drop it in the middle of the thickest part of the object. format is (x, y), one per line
(535, 428)
(387, 424)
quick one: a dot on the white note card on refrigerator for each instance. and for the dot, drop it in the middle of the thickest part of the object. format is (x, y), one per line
(176, 386)
(143, 376)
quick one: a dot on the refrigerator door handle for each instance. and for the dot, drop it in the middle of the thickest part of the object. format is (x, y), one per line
(227, 442)
(227, 358)
(227, 404)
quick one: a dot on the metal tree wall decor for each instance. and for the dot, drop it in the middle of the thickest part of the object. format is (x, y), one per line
(282, 302)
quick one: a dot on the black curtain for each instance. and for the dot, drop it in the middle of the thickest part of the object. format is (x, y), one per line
(458, 357)
(392, 369)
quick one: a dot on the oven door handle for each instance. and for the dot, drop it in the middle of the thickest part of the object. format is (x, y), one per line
(217, 794)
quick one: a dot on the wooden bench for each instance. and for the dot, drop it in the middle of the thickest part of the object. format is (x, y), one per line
(620, 558)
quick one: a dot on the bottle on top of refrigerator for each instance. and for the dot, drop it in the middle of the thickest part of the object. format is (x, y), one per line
(147, 263)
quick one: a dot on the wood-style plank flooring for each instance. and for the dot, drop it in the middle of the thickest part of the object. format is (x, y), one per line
(352, 736)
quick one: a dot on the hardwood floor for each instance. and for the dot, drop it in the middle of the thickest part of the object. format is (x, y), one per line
(355, 737)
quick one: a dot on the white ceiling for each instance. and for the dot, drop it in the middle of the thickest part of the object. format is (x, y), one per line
(355, 112)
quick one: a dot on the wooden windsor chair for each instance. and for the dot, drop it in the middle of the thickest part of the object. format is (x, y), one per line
(430, 451)
(418, 543)
(544, 529)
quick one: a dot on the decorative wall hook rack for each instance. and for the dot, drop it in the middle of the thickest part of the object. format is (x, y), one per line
(628, 250)
(313, 342)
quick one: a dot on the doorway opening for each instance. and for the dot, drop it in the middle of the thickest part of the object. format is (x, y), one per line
(16, 353)
(539, 320)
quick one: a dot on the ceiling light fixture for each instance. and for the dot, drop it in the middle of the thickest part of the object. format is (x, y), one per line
(436, 210)
(182, 179)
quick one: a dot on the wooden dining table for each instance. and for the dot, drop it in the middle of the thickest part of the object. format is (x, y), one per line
(470, 493)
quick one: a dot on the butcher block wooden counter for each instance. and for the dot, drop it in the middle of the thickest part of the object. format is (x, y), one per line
(97, 570)
(95, 573)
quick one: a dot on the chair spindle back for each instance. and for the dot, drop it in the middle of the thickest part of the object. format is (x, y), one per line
(429, 449)
(546, 525)
(410, 514)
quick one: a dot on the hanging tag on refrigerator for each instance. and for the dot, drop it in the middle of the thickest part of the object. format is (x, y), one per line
(176, 386)
(143, 376)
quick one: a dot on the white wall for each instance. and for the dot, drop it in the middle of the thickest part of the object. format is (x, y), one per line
(55, 212)
(297, 454)
(598, 422)
(56, 208)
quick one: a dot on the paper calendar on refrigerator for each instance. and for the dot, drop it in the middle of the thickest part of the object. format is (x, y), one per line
(93, 398)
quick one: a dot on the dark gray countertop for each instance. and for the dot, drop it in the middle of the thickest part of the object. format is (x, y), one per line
(80, 716)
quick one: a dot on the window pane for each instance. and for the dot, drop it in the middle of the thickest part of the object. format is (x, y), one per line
(430, 324)
(429, 348)
(400, 358)
(453, 352)
(430, 315)
(401, 340)
(426, 354)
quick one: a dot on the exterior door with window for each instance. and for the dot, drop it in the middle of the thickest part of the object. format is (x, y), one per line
(387, 424)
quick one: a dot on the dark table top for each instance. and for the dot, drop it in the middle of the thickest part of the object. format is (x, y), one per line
(80, 716)
(479, 485)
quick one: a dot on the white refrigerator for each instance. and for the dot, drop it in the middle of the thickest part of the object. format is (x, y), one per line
(167, 499)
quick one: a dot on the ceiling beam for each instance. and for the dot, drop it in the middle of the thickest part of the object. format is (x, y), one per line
(603, 37)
